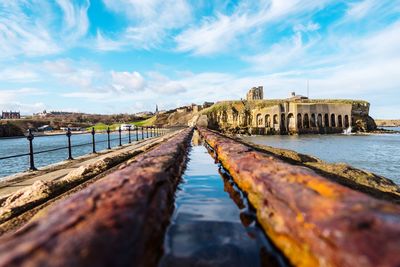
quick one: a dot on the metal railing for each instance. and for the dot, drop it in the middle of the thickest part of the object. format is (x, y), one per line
(154, 132)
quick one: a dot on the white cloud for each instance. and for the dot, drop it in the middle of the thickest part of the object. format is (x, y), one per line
(31, 28)
(310, 27)
(217, 34)
(149, 22)
(20, 74)
(76, 23)
(161, 84)
(360, 9)
(106, 44)
(10, 100)
(126, 82)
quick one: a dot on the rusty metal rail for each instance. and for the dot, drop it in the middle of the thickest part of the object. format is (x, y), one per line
(314, 221)
(117, 221)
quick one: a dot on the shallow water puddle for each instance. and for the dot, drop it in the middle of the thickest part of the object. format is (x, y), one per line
(212, 224)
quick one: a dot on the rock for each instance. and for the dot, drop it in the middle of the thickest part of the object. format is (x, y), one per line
(314, 221)
(25, 197)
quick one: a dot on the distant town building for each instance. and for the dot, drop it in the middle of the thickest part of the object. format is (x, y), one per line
(294, 97)
(255, 93)
(10, 115)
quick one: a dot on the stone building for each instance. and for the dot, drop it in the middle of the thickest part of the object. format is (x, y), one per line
(10, 115)
(255, 93)
(302, 117)
(294, 115)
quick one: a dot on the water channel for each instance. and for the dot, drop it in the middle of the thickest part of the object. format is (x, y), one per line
(213, 224)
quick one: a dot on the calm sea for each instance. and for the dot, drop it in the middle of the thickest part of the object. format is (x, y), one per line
(16, 146)
(378, 153)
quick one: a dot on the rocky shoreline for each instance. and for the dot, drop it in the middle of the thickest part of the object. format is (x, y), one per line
(387, 123)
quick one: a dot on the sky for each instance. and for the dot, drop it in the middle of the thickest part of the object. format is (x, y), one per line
(126, 56)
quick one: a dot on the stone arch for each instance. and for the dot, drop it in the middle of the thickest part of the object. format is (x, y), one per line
(313, 120)
(224, 116)
(306, 121)
(299, 121)
(319, 120)
(283, 122)
(259, 120)
(276, 119)
(291, 122)
(326, 120)
(346, 121)
(333, 120)
(267, 120)
(340, 121)
(235, 116)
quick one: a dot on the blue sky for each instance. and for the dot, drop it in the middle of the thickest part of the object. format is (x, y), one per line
(125, 56)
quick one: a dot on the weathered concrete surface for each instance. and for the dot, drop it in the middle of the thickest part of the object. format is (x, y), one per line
(117, 221)
(364, 181)
(314, 221)
(27, 194)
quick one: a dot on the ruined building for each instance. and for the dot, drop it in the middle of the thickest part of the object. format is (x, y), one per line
(255, 93)
(294, 115)
(10, 115)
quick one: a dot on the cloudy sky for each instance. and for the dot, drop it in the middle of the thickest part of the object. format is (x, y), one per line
(112, 56)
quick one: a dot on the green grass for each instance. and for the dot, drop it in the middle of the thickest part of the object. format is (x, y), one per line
(103, 127)
(150, 121)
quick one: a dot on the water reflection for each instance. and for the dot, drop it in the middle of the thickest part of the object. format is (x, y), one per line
(208, 228)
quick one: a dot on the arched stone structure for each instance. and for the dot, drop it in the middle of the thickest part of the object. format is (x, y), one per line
(259, 121)
(224, 116)
(340, 121)
(299, 121)
(326, 120)
(346, 121)
(320, 125)
(291, 122)
(306, 121)
(333, 120)
(268, 120)
(283, 123)
(313, 120)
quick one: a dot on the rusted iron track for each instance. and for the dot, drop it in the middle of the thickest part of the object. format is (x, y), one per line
(314, 221)
(117, 221)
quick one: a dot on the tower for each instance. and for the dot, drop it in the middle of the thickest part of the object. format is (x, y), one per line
(255, 93)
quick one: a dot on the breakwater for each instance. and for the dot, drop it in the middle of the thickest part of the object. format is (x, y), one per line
(377, 153)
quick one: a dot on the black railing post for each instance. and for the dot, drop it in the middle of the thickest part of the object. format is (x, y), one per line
(147, 132)
(31, 159)
(142, 133)
(137, 133)
(108, 138)
(93, 141)
(129, 134)
(151, 131)
(69, 144)
(119, 132)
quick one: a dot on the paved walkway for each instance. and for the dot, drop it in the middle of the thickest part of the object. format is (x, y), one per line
(57, 171)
